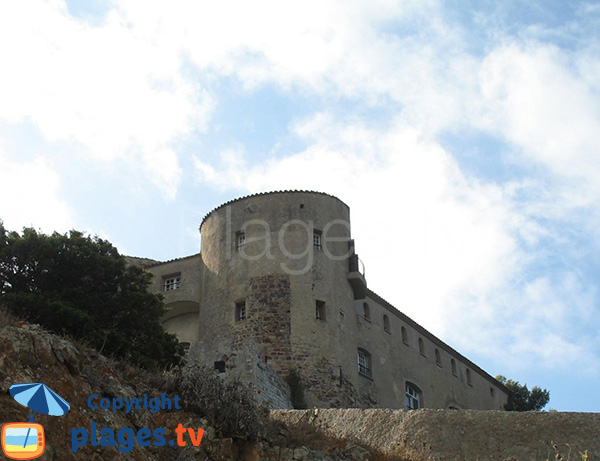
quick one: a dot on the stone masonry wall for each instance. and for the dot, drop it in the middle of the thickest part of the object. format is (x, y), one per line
(268, 320)
(458, 434)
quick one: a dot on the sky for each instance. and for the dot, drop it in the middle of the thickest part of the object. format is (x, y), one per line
(463, 135)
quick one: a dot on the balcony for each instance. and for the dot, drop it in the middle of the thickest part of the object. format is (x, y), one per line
(356, 276)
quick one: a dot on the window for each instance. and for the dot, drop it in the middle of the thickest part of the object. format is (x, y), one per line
(453, 364)
(413, 397)
(492, 392)
(240, 311)
(404, 336)
(422, 347)
(220, 366)
(320, 312)
(172, 282)
(240, 240)
(366, 312)
(386, 323)
(438, 358)
(364, 363)
(469, 380)
(316, 239)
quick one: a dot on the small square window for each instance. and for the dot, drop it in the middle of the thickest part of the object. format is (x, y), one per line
(220, 366)
(240, 311)
(172, 282)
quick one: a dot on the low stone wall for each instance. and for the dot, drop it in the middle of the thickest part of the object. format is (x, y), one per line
(454, 435)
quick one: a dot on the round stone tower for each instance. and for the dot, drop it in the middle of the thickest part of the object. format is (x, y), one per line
(276, 274)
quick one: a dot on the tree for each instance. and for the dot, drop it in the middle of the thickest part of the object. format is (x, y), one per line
(522, 399)
(81, 286)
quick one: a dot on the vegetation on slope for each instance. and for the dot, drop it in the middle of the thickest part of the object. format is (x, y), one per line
(81, 286)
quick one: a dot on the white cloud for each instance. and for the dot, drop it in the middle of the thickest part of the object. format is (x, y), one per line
(113, 94)
(32, 196)
(439, 229)
(547, 103)
(457, 251)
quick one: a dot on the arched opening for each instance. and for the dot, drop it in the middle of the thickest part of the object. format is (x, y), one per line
(414, 396)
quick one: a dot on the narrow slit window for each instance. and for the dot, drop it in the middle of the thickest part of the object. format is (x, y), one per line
(438, 358)
(320, 311)
(404, 335)
(422, 347)
(386, 323)
(453, 364)
(240, 240)
(366, 312)
(240, 311)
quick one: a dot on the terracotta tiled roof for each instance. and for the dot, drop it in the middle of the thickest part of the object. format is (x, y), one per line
(158, 263)
(267, 193)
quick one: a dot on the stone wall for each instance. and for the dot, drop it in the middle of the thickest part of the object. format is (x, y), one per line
(281, 275)
(458, 435)
(268, 319)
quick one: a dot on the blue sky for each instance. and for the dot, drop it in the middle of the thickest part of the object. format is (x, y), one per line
(463, 135)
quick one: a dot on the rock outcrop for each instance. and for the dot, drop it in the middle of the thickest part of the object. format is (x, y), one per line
(30, 354)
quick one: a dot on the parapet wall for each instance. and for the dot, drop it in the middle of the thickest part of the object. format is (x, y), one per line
(463, 434)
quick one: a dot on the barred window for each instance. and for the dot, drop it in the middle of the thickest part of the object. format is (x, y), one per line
(364, 363)
(317, 239)
(172, 283)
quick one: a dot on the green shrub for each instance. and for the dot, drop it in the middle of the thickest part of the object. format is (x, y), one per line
(227, 403)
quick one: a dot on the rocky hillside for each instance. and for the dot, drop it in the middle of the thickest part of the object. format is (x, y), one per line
(30, 354)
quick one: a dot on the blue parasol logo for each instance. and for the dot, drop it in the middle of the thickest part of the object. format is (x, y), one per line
(39, 398)
(26, 440)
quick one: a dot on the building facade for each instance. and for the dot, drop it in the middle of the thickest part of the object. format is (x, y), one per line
(277, 288)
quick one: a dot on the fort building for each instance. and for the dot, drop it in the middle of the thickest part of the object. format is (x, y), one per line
(278, 289)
